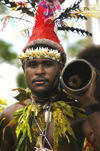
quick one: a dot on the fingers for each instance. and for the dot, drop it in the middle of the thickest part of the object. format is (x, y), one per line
(72, 96)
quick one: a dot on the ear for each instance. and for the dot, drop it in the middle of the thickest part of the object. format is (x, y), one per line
(61, 68)
(23, 66)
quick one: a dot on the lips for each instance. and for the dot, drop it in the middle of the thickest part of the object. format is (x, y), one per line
(39, 81)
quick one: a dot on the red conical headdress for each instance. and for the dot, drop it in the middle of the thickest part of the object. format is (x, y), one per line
(44, 43)
(43, 35)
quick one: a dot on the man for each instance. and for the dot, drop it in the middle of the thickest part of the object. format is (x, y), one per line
(92, 55)
(46, 118)
(44, 87)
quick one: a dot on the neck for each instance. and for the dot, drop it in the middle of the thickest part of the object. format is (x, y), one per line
(44, 99)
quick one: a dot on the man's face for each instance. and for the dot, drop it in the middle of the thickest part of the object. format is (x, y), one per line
(42, 75)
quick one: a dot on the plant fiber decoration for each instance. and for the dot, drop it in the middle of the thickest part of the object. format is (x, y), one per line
(27, 130)
(29, 7)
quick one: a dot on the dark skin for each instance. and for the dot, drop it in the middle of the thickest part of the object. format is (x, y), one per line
(44, 84)
(39, 78)
(92, 55)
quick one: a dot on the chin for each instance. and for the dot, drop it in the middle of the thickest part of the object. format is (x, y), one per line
(42, 91)
(46, 90)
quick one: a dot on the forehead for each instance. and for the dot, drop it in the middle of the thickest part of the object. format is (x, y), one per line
(41, 60)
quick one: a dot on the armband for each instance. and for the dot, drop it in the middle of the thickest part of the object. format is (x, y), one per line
(92, 108)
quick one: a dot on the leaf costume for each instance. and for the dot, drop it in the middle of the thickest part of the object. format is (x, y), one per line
(3, 104)
(31, 122)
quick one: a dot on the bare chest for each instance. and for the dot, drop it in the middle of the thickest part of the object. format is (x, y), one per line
(48, 142)
(63, 144)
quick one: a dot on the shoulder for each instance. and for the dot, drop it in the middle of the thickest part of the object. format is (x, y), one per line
(7, 113)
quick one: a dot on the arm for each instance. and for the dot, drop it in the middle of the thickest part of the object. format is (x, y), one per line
(94, 120)
(89, 141)
(4, 141)
(9, 141)
(86, 100)
(6, 132)
(5, 144)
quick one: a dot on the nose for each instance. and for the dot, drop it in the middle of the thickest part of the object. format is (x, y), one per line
(40, 69)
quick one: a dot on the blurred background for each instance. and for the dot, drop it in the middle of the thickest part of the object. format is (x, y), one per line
(14, 37)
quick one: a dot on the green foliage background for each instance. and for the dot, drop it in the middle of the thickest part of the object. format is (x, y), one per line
(3, 9)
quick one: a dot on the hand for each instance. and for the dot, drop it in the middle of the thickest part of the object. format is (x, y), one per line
(42, 149)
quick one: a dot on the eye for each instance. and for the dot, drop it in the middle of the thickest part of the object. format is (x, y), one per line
(32, 64)
(48, 63)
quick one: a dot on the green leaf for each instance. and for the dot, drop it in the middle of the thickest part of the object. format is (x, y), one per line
(3, 8)
(22, 144)
(23, 94)
(5, 52)
(21, 82)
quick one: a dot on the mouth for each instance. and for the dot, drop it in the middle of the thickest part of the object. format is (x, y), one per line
(40, 81)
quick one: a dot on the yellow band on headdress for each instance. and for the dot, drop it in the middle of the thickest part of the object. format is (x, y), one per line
(40, 52)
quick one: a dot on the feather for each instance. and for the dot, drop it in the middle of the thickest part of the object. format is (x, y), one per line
(92, 11)
(51, 9)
